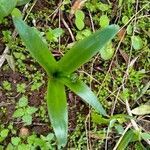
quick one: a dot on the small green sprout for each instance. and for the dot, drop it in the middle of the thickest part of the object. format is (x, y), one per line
(60, 74)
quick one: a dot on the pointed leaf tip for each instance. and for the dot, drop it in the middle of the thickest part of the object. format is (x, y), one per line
(83, 91)
(85, 49)
(57, 110)
(35, 44)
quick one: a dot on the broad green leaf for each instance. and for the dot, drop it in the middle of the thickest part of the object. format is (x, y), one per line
(141, 110)
(6, 7)
(137, 42)
(82, 90)
(36, 46)
(85, 49)
(22, 2)
(57, 110)
(127, 138)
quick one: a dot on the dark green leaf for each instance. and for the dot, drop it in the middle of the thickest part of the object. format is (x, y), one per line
(82, 90)
(139, 146)
(37, 47)
(85, 49)
(127, 138)
(6, 7)
(57, 109)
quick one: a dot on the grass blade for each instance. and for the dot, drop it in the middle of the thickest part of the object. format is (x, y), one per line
(36, 46)
(57, 110)
(82, 90)
(87, 48)
(127, 138)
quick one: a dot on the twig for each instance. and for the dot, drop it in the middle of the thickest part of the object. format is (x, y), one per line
(92, 23)
(68, 28)
(87, 120)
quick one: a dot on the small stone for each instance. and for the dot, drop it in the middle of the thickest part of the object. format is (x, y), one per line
(24, 132)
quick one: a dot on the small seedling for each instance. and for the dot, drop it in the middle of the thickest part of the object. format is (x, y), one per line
(21, 88)
(7, 85)
(24, 111)
(60, 74)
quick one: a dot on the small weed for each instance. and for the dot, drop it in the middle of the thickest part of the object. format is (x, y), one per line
(23, 111)
(6, 85)
(21, 88)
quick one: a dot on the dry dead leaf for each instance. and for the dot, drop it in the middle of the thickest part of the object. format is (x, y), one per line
(121, 34)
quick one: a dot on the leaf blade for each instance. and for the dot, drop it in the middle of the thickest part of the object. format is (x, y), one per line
(87, 48)
(82, 90)
(141, 110)
(38, 49)
(57, 110)
(127, 138)
(6, 7)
